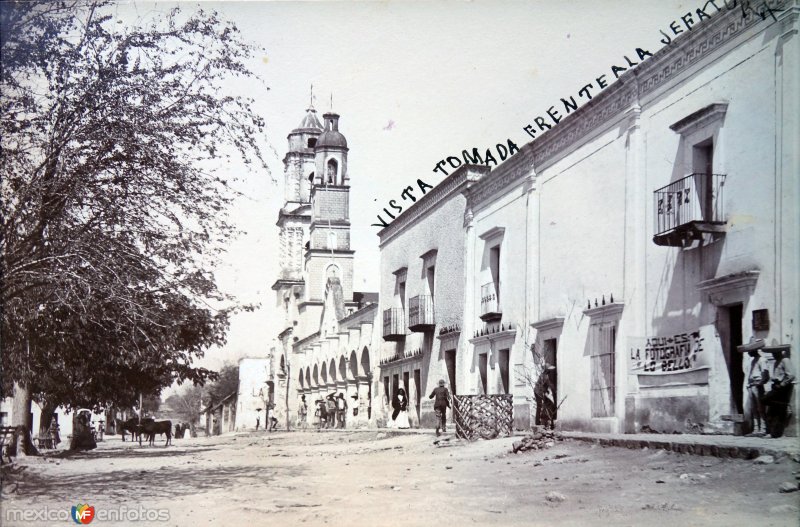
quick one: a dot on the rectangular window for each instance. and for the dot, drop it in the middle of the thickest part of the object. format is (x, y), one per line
(703, 168)
(494, 267)
(430, 275)
(604, 338)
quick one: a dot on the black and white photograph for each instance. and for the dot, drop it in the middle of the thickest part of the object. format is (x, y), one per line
(400, 262)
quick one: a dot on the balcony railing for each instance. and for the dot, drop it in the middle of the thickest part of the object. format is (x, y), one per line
(490, 302)
(420, 313)
(394, 324)
(686, 208)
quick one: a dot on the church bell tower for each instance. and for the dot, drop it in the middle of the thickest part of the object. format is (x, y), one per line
(328, 257)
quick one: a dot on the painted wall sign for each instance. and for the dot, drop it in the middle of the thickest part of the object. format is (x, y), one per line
(674, 354)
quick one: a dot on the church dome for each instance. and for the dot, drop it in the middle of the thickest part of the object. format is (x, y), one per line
(331, 137)
(309, 123)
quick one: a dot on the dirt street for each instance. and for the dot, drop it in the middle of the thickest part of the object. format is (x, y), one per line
(368, 478)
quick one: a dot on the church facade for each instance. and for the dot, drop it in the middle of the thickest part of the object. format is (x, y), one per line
(326, 342)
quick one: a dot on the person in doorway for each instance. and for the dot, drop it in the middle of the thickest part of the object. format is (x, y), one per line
(341, 410)
(258, 422)
(543, 394)
(776, 401)
(400, 413)
(757, 378)
(441, 402)
(330, 406)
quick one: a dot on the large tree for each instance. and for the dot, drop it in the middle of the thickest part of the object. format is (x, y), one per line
(113, 212)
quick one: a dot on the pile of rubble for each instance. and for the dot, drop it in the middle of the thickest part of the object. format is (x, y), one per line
(539, 439)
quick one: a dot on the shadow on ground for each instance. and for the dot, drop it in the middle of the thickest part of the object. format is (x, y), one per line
(162, 482)
(130, 452)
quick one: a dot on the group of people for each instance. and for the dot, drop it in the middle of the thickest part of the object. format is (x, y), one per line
(331, 412)
(441, 403)
(768, 407)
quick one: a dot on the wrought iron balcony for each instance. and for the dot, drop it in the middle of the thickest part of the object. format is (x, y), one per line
(420, 314)
(688, 208)
(394, 324)
(490, 303)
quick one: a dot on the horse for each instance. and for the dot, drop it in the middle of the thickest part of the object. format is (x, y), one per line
(158, 427)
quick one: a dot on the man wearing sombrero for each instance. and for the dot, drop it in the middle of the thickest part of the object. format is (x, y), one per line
(777, 399)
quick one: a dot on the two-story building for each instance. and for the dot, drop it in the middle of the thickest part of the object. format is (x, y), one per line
(422, 296)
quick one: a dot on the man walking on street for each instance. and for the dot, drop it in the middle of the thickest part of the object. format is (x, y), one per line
(440, 405)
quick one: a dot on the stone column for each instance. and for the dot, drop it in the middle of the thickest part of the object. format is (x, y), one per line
(787, 181)
(362, 388)
(464, 355)
(634, 282)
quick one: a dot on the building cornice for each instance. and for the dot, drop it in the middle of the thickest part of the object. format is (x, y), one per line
(548, 324)
(352, 317)
(306, 340)
(654, 74)
(605, 312)
(464, 176)
(286, 282)
(493, 337)
(700, 118)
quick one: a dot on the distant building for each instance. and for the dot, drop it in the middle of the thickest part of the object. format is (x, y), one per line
(326, 343)
(220, 417)
(256, 392)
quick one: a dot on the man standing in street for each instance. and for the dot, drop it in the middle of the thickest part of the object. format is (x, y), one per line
(341, 410)
(777, 399)
(440, 405)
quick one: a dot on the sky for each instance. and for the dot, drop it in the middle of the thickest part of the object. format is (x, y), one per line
(414, 82)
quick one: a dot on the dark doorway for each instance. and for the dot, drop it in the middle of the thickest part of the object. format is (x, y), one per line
(729, 327)
(386, 390)
(405, 385)
(550, 357)
(417, 394)
(482, 365)
(395, 384)
(502, 359)
(450, 362)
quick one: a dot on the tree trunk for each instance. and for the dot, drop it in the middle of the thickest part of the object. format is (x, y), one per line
(48, 410)
(21, 419)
